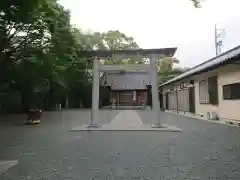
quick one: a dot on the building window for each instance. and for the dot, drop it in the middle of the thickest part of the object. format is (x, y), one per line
(203, 92)
(231, 91)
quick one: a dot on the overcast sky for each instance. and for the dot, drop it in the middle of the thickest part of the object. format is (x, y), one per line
(163, 23)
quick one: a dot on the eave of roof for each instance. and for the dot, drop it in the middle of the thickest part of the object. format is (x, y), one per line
(207, 65)
(129, 52)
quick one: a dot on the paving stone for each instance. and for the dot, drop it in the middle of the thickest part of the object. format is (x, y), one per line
(60, 154)
(5, 165)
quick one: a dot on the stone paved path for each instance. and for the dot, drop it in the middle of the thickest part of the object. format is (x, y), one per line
(5, 165)
(127, 117)
(203, 151)
(127, 120)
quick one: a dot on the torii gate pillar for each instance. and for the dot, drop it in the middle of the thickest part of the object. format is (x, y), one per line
(155, 93)
(95, 94)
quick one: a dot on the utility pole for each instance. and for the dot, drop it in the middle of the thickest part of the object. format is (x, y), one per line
(215, 38)
(219, 35)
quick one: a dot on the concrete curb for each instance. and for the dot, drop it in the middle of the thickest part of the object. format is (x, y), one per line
(234, 123)
(5, 165)
(142, 127)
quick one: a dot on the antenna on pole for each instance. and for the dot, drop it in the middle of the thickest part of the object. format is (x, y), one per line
(219, 35)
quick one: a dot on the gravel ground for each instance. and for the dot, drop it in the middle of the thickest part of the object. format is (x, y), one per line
(49, 151)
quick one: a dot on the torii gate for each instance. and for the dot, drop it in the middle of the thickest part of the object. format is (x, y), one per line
(152, 54)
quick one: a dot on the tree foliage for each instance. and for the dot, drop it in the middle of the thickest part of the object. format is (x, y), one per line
(196, 3)
(114, 40)
(167, 71)
(39, 61)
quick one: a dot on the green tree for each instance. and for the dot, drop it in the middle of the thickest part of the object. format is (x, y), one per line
(69, 69)
(23, 25)
(38, 53)
(23, 37)
(113, 40)
(166, 64)
(196, 3)
(116, 40)
(39, 60)
(167, 71)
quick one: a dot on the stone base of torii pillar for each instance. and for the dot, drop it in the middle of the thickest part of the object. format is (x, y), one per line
(128, 120)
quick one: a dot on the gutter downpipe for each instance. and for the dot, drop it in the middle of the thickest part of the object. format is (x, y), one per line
(177, 99)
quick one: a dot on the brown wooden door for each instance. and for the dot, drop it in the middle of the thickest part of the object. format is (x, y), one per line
(213, 90)
(192, 107)
(167, 100)
(161, 100)
(126, 98)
